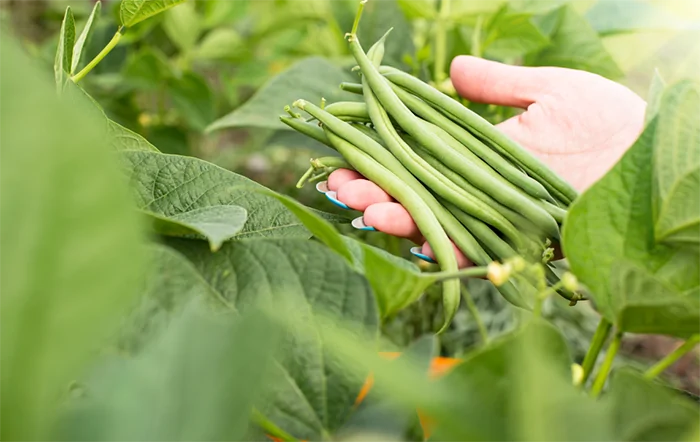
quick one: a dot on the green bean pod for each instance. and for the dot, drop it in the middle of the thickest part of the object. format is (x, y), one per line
(469, 141)
(424, 218)
(523, 224)
(348, 109)
(500, 250)
(310, 130)
(353, 88)
(473, 144)
(409, 123)
(423, 171)
(459, 235)
(473, 121)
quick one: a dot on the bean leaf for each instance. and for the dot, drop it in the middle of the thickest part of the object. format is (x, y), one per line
(511, 34)
(195, 380)
(576, 45)
(619, 16)
(397, 283)
(311, 79)
(610, 240)
(677, 166)
(64, 51)
(170, 185)
(84, 36)
(216, 224)
(135, 11)
(310, 391)
(642, 410)
(658, 85)
(71, 256)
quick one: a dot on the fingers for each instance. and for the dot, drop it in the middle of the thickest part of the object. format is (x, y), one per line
(484, 81)
(380, 210)
(393, 219)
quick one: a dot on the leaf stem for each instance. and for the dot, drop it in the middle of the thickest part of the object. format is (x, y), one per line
(672, 357)
(471, 272)
(475, 313)
(98, 58)
(599, 337)
(356, 23)
(441, 41)
(304, 178)
(599, 382)
(476, 36)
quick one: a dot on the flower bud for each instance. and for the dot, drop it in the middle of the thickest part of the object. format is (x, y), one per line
(498, 274)
(569, 281)
(576, 374)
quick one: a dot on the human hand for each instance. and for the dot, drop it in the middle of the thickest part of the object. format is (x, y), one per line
(577, 123)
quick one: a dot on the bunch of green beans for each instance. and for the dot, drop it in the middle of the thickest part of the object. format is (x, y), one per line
(461, 179)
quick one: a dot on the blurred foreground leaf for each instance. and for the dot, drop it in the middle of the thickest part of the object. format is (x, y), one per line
(70, 250)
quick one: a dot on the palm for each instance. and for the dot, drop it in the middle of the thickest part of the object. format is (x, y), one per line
(579, 125)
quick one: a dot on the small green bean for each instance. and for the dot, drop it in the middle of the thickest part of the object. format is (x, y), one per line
(310, 130)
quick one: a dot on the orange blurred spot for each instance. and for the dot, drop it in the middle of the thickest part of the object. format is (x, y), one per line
(439, 366)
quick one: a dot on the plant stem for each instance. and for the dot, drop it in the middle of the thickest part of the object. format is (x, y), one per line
(476, 36)
(599, 382)
(601, 335)
(471, 272)
(475, 313)
(356, 23)
(441, 41)
(542, 291)
(98, 58)
(671, 358)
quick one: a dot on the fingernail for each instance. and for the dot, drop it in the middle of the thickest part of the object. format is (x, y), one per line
(417, 252)
(322, 186)
(359, 223)
(333, 197)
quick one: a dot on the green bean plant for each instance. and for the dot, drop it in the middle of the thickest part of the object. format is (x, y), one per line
(149, 295)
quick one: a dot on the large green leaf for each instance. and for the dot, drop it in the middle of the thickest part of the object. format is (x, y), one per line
(134, 11)
(310, 79)
(413, 9)
(183, 26)
(644, 411)
(193, 98)
(381, 417)
(170, 185)
(70, 249)
(616, 16)
(171, 285)
(574, 44)
(609, 240)
(311, 392)
(498, 392)
(656, 90)
(511, 34)
(64, 51)
(122, 138)
(84, 37)
(396, 282)
(677, 166)
(215, 223)
(195, 381)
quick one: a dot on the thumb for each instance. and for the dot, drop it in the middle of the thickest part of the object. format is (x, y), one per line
(484, 81)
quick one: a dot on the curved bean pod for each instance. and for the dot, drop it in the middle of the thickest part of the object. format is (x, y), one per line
(424, 218)
(473, 121)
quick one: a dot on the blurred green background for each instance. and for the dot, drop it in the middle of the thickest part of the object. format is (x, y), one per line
(204, 79)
